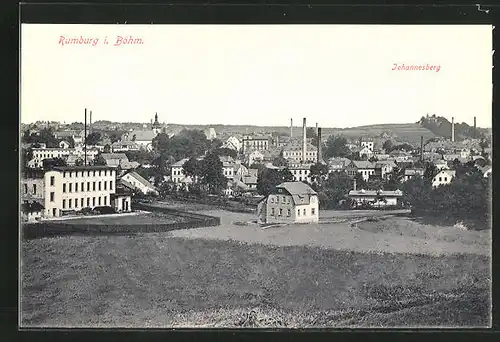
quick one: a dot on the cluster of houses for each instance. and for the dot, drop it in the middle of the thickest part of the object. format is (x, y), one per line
(77, 186)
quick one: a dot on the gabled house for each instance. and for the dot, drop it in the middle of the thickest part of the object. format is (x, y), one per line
(443, 177)
(290, 202)
(119, 160)
(412, 172)
(383, 169)
(143, 138)
(376, 198)
(338, 164)
(254, 156)
(136, 182)
(366, 151)
(365, 168)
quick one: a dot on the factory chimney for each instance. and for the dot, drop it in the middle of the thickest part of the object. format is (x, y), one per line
(85, 139)
(452, 129)
(316, 128)
(474, 132)
(291, 128)
(304, 141)
(320, 157)
(90, 123)
(422, 148)
(354, 184)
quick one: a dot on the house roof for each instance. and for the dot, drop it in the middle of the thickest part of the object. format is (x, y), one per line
(84, 167)
(395, 193)
(180, 163)
(250, 179)
(451, 173)
(124, 143)
(412, 172)
(110, 156)
(297, 145)
(141, 135)
(296, 188)
(140, 179)
(363, 164)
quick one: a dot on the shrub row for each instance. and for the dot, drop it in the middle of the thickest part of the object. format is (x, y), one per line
(47, 229)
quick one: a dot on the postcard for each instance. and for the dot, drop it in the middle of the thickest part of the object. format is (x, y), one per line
(255, 176)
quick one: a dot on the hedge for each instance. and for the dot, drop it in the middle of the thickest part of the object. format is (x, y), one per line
(47, 229)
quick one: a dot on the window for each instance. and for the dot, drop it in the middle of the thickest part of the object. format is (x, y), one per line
(281, 212)
(445, 179)
(272, 211)
(284, 199)
(52, 197)
(305, 212)
(70, 187)
(70, 174)
(94, 174)
(105, 201)
(76, 187)
(25, 188)
(82, 187)
(110, 185)
(99, 173)
(64, 187)
(81, 202)
(52, 180)
(88, 173)
(313, 211)
(272, 199)
(69, 201)
(93, 201)
(298, 212)
(99, 200)
(440, 179)
(105, 172)
(93, 186)
(99, 186)
(64, 204)
(88, 201)
(88, 186)
(34, 189)
(288, 212)
(105, 185)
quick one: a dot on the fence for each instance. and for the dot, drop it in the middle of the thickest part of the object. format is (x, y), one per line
(47, 229)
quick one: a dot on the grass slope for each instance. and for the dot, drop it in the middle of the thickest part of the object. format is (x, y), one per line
(155, 280)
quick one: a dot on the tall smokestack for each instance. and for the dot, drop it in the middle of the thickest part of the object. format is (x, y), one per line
(422, 148)
(452, 129)
(291, 128)
(474, 132)
(354, 184)
(90, 123)
(304, 140)
(320, 157)
(316, 128)
(85, 140)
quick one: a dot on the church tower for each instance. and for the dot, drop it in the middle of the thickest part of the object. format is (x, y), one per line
(156, 125)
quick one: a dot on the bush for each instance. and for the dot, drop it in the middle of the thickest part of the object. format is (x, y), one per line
(105, 210)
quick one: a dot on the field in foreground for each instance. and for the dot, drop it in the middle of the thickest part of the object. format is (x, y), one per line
(156, 280)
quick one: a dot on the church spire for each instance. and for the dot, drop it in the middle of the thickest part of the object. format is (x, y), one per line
(156, 118)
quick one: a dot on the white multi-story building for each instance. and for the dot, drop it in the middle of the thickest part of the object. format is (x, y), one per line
(72, 188)
(367, 144)
(40, 154)
(255, 143)
(293, 152)
(291, 202)
(301, 172)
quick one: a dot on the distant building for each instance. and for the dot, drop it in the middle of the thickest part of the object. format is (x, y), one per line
(368, 145)
(376, 198)
(119, 160)
(260, 143)
(366, 151)
(254, 156)
(124, 146)
(444, 177)
(293, 152)
(210, 133)
(40, 154)
(291, 202)
(338, 164)
(365, 168)
(136, 182)
(301, 172)
(413, 172)
(384, 169)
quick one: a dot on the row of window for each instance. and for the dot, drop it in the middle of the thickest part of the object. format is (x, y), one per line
(289, 212)
(101, 200)
(177, 172)
(89, 173)
(49, 155)
(284, 199)
(26, 189)
(298, 153)
(306, 172)
(69, 186)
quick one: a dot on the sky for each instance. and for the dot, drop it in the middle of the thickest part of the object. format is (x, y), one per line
(336, 75)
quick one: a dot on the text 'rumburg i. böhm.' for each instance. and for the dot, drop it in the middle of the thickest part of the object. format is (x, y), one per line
(94, 41)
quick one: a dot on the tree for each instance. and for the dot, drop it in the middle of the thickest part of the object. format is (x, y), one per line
(336, 147)
(334, 190)
(268, 179)
(212, 174)
(388, 146)
(93, 138)
(50, 163)
(79, 162)
(224, 151)
(313, 135)
(45, 136)
(107, 148)
(26, 156)
(193, 168)
(318, 173)
(280, 161)
(99, 160)
(430, 171)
